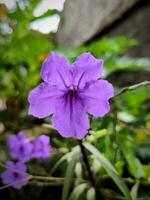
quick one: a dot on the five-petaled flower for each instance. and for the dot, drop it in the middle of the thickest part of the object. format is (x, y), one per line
(69, 92)
(20, 147)
(41, 147)
(15, 174)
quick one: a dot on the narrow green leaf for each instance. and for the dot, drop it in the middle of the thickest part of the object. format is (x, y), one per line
(78, 170)
(69, 173)
(91, 195)
(78, 190)
(134, 191)
(61, 160)
(110, 169)
(47, 14)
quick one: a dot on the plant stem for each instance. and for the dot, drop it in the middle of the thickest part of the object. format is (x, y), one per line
(115, 135)
(90, 174)
(130, 88)
(85, 159)
(46, 178)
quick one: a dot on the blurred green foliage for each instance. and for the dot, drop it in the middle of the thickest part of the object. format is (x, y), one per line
(123, 136)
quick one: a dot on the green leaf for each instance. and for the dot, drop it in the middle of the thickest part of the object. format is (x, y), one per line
(117, 45)
(34, 3)
(61, 160)
(134, 191)
(134, 165)
(46, 14)
(96, 135)
(147, 172)
(91, 195)
(78, 190)
(110, 170)
(78, 170)
(69, 173)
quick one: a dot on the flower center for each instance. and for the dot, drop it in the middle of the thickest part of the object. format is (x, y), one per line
(71, 94)
(16, 175)
(73, 87)
(21, 149)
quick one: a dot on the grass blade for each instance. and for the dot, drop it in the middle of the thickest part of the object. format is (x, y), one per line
(78, 190)
(69, 174)
(110, 170)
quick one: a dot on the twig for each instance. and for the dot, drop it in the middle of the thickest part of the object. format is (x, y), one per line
(48, 178)
(130, 88)
(134, 129)
(58, 180)
(17, 181)
(52, 178)
(5, 186)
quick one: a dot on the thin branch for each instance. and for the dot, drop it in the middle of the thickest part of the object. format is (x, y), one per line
(134, 129)
(48, 178)
(130, 88)
(58, 180)
(38, 178)
(5, 186)
(17, 181)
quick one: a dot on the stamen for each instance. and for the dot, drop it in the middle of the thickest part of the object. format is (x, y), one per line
(73, 87)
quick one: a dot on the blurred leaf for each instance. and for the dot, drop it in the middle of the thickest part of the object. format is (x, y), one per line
(95, 165)
(147, 172)
(134, 99)
(134, 191)
(126, 117)
(46, 14)
(77, 191)
(34, 3)
(91, 195)
(97, 134)
(134, 165)
(78, 170)
(110, 170)
(143, 148)
(60, 161)
(117, 45)
(119, 166)
(70, 173)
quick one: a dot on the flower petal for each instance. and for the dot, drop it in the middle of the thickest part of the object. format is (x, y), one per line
(43, 99)
(21, 167)
(10, 165)
(41, 147)
(21, 181)
(86, 68)
(96, 96)
(55, 70)
(70, 119)
(7, 177)
(21, 136)
(12, 141)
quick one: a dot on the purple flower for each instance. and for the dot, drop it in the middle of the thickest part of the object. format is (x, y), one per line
(69, 92)
(41, 147)
(15, 174)
(20, 147)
